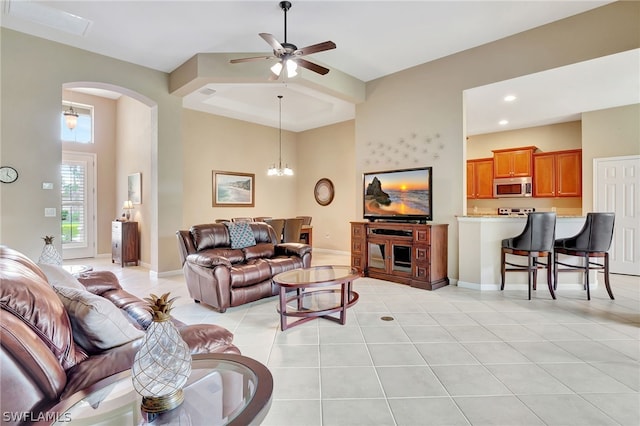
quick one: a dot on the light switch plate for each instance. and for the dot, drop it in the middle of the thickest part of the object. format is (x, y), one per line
(50, 212)
(47, 185)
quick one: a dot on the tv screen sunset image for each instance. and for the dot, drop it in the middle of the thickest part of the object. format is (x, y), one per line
(398, 193)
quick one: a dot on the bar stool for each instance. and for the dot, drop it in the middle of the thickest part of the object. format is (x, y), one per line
(593, 240)
(535, 241)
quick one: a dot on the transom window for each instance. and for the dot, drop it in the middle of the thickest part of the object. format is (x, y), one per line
(83, 132)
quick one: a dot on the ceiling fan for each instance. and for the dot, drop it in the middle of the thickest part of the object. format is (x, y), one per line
(290, 57)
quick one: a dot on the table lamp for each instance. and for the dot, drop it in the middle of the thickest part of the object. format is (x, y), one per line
(127, 207)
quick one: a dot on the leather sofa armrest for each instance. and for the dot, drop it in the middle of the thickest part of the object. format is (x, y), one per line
(292, 249)
(206, 338)
(99, 282)
(208, 260)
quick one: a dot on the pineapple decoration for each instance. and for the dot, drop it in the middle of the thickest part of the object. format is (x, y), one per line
(49, 253)
(163, 364)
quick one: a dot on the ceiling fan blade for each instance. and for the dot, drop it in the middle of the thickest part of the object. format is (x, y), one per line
(255, 58)
(275, 44)
(311, 66)
(314, 48)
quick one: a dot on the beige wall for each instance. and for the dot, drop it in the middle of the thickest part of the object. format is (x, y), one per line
(104, 147)
(328, 152)
(133, 150)
(426, 101)
(212, 142)
(607, 133)
(556, 137)
(33, 71)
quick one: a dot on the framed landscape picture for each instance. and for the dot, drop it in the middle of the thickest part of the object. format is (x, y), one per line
(232, 189)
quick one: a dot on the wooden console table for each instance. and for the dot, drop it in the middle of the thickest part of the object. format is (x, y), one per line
(406, 253)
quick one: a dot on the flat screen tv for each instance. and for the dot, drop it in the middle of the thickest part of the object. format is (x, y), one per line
(398, 195)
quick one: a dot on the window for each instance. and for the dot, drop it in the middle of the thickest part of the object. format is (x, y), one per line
(73, 203)
(83, 132)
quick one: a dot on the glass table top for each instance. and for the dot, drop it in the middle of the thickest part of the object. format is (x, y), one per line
(316, 275)
(223, 389)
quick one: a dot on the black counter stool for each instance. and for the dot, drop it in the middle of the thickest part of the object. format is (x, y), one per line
(535, 241)
(593, 240)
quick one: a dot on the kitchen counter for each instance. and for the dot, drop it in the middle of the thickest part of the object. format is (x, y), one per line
(480, 239)
(510, 216)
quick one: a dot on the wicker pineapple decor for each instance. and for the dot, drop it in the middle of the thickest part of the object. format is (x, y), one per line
(49, 253)
(163, 364)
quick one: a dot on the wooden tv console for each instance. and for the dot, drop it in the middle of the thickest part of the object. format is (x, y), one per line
(406, 253)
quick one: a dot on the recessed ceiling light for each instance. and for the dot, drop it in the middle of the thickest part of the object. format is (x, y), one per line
(510, 98)
(503, 122)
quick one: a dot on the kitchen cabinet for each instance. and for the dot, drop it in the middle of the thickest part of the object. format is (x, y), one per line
(406, 253)
(480, 178)
(125, 244)
(557, 174)
(516, 162)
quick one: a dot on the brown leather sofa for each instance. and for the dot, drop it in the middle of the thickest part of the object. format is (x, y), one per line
(41, 364)
(222, 277)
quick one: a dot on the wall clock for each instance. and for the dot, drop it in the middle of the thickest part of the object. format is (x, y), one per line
(323, 192)
(8, 174)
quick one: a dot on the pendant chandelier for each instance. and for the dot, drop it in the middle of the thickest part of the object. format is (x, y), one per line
(70, 117)
(280, 171)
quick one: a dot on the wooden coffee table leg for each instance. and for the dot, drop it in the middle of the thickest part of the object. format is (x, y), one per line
(345, 302)
(283, 309)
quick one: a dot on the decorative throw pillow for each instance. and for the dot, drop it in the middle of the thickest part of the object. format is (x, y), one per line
(60, 277)
(241, 234)
(96, 322)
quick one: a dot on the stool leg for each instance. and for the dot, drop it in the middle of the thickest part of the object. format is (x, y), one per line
(586, 275)
(529, 272)
(535, 273)
(555, 270)
(606, 275)
(502, 269)
(549, 280)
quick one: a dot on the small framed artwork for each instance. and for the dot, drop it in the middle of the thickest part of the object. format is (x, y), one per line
(232, 189)
(134, 187)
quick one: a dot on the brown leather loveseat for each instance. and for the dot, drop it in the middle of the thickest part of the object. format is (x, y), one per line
(222, 276)
(41, 358)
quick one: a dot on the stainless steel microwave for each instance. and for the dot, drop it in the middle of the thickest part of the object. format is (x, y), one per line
(512, 187)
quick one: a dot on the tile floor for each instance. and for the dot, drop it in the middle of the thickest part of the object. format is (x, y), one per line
(450, 357)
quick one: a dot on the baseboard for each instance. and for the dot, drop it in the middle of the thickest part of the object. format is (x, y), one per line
(328, 251)
(164, 274)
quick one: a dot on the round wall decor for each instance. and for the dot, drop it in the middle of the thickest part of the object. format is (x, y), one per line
(323, 192)
(8, 174)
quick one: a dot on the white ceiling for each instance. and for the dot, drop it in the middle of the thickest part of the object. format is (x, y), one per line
(374, 39)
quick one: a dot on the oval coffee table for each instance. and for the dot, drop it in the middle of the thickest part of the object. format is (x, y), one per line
(223, 389)
(320, 292)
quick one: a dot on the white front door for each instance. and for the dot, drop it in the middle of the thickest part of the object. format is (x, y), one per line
(78, 205)
(617, 189)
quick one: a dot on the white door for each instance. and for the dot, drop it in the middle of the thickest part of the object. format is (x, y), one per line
(617, 189)
(78, 205)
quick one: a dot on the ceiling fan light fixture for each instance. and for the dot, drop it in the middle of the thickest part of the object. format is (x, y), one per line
(277, 68)
(292, 66)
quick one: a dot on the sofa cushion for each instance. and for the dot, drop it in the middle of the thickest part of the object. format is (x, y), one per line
(26, 294)
(214, 257)
(252, 272)
(97, 323)
(241, 234)
(261, 250)
(60, 277)
(283, 264)
(210, 236)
